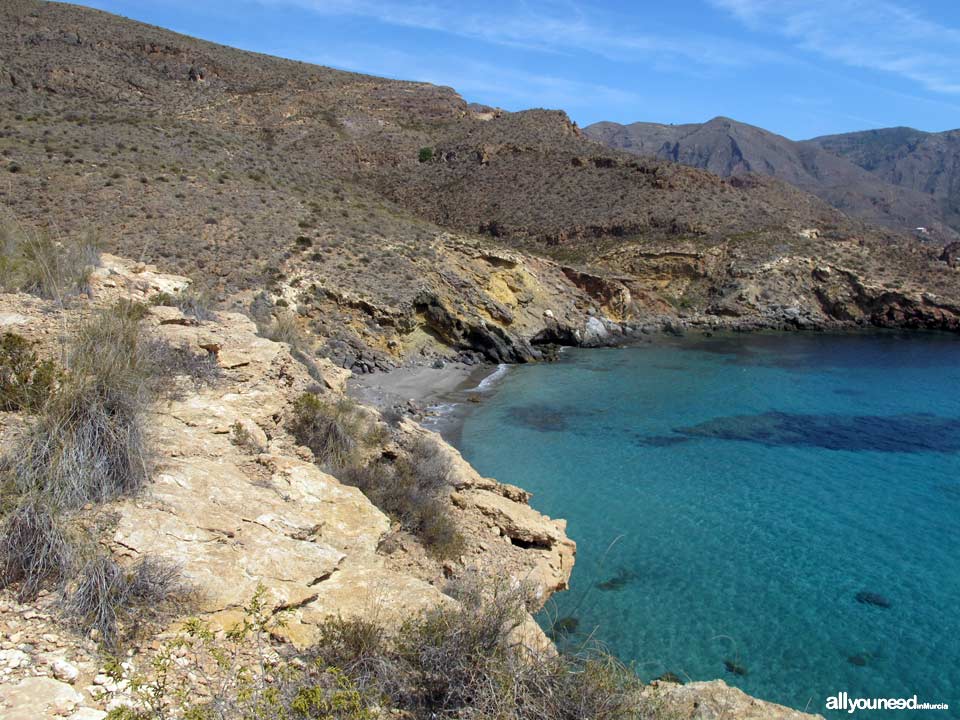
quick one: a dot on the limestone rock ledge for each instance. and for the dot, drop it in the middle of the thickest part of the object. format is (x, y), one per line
(236, 514)
(715, 700)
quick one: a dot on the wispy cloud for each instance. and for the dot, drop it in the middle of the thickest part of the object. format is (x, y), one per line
(554, 26)
(478, 79)
(872, 34)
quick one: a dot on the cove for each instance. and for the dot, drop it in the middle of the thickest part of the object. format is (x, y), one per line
(779, 511)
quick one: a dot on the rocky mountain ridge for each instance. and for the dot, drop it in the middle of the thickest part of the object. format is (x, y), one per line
(900, 178)
(367, 206)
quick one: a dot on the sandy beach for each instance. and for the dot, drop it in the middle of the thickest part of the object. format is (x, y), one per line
(439, 397)
(424, 385)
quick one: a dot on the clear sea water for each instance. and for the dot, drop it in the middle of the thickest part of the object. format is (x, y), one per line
(780, 511)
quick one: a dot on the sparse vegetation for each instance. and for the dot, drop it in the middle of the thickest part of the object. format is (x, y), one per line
(457, 661)
(33, 262)
(412, 489)
(87, 446)
(197, 304)
(105, 596)
(425, 154)
(25, 381)
(332, 430)
(35, 548)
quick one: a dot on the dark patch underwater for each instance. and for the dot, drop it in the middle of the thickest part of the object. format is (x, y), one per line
(909, 433)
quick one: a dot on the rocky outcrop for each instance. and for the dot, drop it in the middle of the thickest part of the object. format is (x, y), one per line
(236, 503)
(951, 255)
(716, 700)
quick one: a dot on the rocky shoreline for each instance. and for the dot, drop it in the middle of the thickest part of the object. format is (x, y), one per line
(237, 509)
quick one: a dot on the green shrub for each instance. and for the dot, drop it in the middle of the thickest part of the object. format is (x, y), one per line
(413, 491)
(25, 381)
(332, 430)
(32, 262)
(425, 154)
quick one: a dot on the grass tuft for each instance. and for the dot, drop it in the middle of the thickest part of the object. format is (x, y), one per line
(35, 549)
(25, 381)
(33, 262)
(108, 598)
(332, 430)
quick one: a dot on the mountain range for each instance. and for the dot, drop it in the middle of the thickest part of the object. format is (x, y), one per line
(898, 177)
(397, 219)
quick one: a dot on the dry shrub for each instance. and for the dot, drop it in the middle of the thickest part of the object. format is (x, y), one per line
(35, 549)
(283, 328)
(87, 445)
(455, 661)
(25, 381)
(33, 262)
(198, 304)
(170, 360)
(332, 430)
(463, 661)
(111, 599)
(413, 491)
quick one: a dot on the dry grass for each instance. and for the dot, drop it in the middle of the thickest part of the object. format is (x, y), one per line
(450, 662)
(413, 490)
(33, 262)
(35, 548)
(87, 446)
(25, 381)
(463, 661)
(114, 600)
(332, 430)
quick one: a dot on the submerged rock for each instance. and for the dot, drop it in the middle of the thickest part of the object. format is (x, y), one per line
(620, 580)
(735, 668)
(869, 598)
(858, 660)
(564, 626)
(670, 678)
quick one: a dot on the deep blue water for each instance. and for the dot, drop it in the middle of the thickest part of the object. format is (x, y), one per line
(784, 506)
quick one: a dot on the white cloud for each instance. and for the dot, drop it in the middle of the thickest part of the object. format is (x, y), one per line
(872, 34)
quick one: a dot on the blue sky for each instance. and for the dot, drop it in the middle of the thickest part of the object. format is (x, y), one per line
(797, 67)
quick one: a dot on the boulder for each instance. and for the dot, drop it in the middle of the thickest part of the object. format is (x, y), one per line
(951, 254)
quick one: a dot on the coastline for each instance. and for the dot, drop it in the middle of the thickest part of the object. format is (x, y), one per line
(439, 398)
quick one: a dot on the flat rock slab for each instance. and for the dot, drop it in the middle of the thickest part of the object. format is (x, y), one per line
(35, 698)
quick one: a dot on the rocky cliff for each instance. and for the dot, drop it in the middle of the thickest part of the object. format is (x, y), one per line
(233, 515)
(237, 504)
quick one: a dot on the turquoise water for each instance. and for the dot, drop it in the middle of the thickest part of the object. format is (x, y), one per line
(780, 511)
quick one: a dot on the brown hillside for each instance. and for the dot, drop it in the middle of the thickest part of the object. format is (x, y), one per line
(254, 173)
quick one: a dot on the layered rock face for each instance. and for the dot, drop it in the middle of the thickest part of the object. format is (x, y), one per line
(236, 503)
